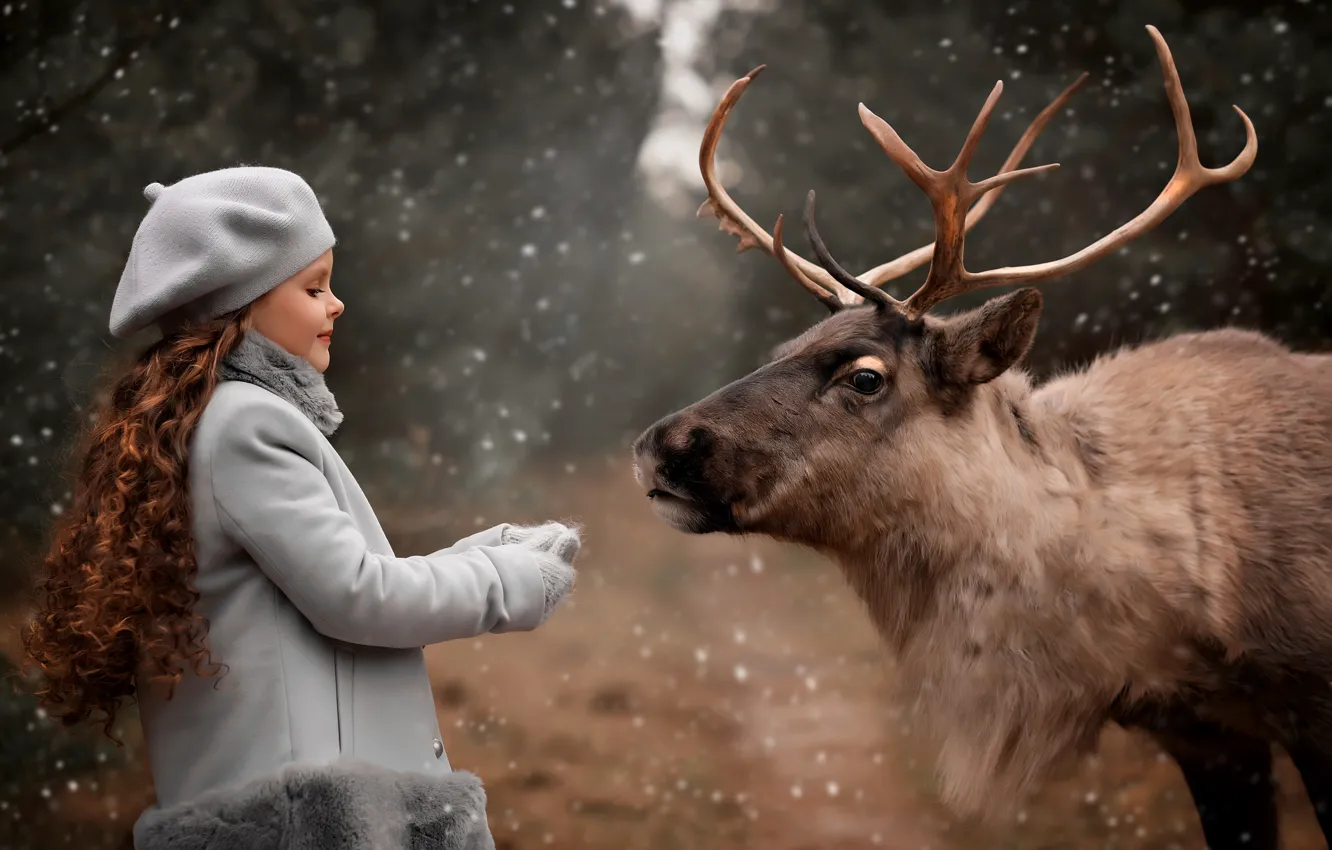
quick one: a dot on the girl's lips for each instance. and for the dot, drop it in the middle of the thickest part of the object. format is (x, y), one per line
(327, 337)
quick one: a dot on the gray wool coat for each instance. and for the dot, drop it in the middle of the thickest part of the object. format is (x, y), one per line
(320, 627)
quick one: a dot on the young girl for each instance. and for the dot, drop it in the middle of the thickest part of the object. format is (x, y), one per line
(221, 565)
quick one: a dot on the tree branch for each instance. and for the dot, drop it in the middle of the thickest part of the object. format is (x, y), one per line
(123, 55)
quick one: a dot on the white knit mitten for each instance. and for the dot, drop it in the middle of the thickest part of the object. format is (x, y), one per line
(555, 546)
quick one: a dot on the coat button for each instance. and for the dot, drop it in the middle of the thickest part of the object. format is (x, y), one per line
(439, 748)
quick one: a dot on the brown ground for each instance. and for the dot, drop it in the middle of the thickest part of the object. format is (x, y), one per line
(718, 693)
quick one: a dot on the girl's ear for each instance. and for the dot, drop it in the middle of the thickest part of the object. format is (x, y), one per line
(981, 344)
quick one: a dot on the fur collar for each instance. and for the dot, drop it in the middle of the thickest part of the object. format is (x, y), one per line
(258, 360)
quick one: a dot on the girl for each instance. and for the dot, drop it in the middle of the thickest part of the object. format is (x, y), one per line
(214, 528)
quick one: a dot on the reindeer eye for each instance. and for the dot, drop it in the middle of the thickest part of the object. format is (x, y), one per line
(866, 381)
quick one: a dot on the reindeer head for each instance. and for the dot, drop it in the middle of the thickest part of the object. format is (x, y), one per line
(881, 406)
(869, 401)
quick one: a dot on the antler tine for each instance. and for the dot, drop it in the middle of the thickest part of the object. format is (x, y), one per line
(785, 257)
(1190, 176)
(977, 130)
(899, 266)
(881, 299)
(735, 221)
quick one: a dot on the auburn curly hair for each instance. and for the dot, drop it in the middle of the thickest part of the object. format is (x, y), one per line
(115, 596)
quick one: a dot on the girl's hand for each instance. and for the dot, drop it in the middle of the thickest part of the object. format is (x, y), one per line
(555, 547)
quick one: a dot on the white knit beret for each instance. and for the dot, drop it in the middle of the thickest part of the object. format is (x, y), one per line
(213, 243)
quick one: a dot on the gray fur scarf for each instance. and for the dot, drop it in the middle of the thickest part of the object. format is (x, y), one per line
(345, 806)
(259, 360)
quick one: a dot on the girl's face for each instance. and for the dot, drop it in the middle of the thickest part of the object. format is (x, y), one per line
(298, 313)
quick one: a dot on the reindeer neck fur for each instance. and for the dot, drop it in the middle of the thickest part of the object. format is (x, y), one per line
(1016, 615)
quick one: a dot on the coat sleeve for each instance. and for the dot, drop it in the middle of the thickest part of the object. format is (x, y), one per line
(485, 537)
(273, 499)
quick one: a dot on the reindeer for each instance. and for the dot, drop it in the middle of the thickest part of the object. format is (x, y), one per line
(1146, 541)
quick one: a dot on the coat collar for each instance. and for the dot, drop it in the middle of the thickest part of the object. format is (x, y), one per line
(260, 361)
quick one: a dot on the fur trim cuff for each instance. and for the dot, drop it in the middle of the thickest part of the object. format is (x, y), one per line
(345, 806)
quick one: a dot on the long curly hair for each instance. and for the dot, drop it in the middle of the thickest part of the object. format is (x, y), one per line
(115, 596)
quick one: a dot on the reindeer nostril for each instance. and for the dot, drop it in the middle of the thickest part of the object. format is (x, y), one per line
(672, 454)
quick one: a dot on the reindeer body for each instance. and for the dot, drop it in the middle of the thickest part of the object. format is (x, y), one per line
(1146, 541)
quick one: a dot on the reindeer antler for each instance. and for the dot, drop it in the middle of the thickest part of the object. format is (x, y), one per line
(819, 282)
(950, 193)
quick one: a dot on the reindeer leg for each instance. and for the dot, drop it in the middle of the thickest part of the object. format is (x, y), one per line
(1230, 778)
(1315, 767)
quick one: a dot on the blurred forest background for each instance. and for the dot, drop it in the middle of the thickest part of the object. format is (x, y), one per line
(513, 186)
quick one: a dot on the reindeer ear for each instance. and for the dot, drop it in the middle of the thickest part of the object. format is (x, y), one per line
(981, 344)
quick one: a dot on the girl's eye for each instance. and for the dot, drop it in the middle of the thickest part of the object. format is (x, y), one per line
(314, 293)
(866, 381)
